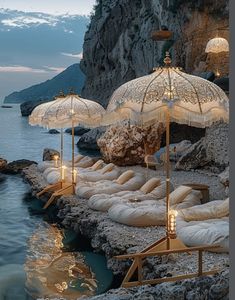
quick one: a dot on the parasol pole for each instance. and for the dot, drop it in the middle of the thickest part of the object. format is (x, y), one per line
(73, 179)
(167, 175)
(61, 151)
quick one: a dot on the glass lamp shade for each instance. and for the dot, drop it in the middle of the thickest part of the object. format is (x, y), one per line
(217, 45)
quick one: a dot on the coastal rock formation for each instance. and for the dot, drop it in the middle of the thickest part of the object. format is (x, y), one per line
(48, 154)
(16, 166)
(211, 151)
(127, 145)
(53, 131)
(88, 141)
(27, 107)
(118, 45)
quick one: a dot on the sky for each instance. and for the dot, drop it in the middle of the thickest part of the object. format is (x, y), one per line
(36, 47)
(55, 7)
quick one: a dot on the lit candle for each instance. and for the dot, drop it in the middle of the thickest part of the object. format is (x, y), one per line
(74, 176)
(172, 223)
(56, 157)
(63, 173)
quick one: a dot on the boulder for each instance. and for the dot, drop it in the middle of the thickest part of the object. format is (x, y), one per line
(207, 75)
(88, 141)
(3, 163)
(194, 157)
(16, 166)
(77, 130)
(53, 131)
(28, 106)
(48, 154)
(223, 83)
(128, 145)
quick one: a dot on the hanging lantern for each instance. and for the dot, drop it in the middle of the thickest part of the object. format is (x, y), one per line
(217, 45)
(161, 35)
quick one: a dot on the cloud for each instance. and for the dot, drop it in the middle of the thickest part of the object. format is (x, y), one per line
(20, 69)
(27, 21)
(78, 55)
(24, 69)
(55, 69)
(68, 31)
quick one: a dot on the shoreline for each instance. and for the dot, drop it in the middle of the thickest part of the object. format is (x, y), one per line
(113, 239)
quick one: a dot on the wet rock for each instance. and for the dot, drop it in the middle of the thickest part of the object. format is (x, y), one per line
(3, 164)
(48, 154)
(53, 131)
(77, 130)
(128, 145)
(15, 167)
(88, 140)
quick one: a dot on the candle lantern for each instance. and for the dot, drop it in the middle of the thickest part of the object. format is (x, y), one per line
(56, 157)
(172, 223)
(63, 168)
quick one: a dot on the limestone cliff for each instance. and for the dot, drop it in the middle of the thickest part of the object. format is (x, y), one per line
(118, 45)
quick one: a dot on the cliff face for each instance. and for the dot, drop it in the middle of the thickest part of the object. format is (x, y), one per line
(118, 45)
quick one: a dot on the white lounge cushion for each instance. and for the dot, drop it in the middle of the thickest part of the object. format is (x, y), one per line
(207, 224)
(103, 202)
(88, 189)
(149, 212)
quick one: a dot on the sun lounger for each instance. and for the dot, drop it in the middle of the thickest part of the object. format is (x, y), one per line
(103, 202)
(129, 180)
(205, 224)
(153, 212)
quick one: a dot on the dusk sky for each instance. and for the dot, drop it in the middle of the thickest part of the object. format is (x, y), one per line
(39, 39)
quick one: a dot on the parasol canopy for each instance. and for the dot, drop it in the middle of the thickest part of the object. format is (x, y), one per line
(191, 100)
(72, 108)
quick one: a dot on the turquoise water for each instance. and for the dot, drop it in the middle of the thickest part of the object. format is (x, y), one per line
(30, 270)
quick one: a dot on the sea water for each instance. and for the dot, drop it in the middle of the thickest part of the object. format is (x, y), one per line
(37, 258)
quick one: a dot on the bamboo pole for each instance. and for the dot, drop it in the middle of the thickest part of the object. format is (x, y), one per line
(73, 179)
(61, 151)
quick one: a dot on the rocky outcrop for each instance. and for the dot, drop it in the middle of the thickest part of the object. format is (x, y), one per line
(53, 131)
(224, 177)
(88, 141)
(3, 164)
(77, 130)
(27, 107)
(48, 154)
(128, 145)
(16, 166)
(211, 151)
(118, 45)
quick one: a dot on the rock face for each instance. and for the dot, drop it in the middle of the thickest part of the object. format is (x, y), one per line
(212, 150)
(16, 166)
(48, 154)
(88, 141)
(118, 45)
(53, 131)
(128, 145)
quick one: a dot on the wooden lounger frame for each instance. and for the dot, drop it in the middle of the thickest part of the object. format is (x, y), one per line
(160, 248)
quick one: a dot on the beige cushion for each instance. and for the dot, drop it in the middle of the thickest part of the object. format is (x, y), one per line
(160, 191)
(97, 165)
(179, 194)
(107, 168)
(150, 185)
(210, 210)
(125, 177)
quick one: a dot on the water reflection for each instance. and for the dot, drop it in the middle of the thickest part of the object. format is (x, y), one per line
(52, 272)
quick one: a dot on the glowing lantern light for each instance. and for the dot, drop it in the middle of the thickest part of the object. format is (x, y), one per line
(217, 45)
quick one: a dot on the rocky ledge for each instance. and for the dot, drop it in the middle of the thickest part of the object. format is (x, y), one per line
(113, 239)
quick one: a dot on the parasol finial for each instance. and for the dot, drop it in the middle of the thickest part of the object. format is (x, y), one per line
(167, 59)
